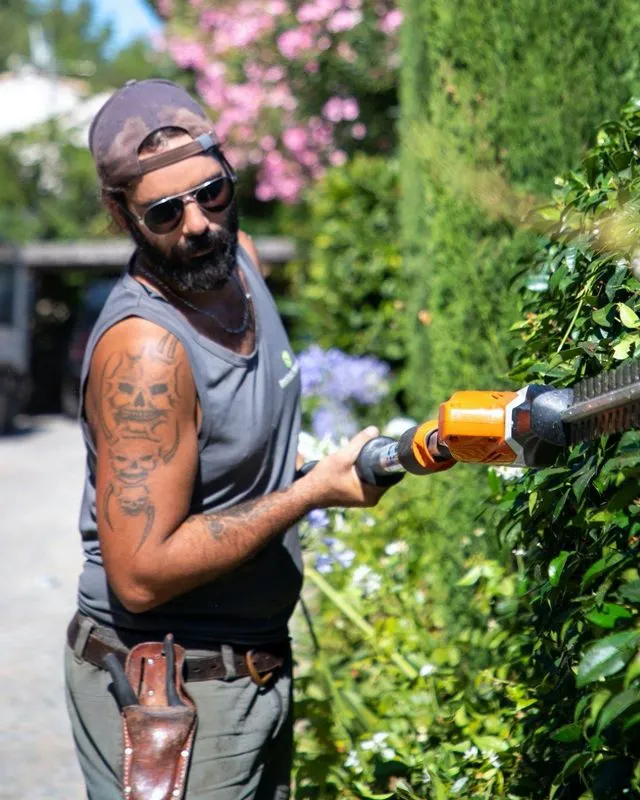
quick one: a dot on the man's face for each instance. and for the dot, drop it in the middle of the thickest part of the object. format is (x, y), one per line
(200, 253)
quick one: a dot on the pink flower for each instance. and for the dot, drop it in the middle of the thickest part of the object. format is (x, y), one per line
(332, 109)
(337, 158)
(187, 55)
(276, 8)
(312, 67)
(321, 135)
(308, 158)
(267, 143)
(344, 21)
(165, 7)
(359, 130)
(391, 21)
(350, 108)
(274, 74)
(347, 52)
(295, 139)
(317, 11)
(291, 43)
(265, 191)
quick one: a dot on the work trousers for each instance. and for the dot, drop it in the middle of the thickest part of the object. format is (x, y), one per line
(243, 742)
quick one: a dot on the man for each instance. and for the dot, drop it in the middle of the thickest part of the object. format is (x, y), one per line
(190, 418)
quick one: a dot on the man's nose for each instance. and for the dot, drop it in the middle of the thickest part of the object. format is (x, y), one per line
(194, 221)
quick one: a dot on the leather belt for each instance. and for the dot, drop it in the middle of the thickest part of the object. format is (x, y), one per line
(239, 661)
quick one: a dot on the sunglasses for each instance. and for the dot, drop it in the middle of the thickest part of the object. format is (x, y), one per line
(213, 196)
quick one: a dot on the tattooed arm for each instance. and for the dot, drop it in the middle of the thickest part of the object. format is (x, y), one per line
(142, 408)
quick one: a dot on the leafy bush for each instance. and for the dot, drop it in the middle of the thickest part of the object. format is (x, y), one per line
(466, 667)
(576, 525)
(399, 690)
(349, 285)
(497, 99)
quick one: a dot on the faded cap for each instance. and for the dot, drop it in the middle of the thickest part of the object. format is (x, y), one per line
(133, 112)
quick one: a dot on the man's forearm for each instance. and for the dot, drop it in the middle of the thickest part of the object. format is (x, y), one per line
(207, 546)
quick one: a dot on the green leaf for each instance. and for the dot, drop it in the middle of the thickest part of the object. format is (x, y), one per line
(567, 733)
(573, 765)
(557, 566)
(364, 792)
(582, 482)
(602, 316)
(624, 347)
(628, 317)
(606, 656)
(533, 498)
(631, 591)
(618, 704)
(600, 566)
(471, 577)
(490, 744)
(608, 615)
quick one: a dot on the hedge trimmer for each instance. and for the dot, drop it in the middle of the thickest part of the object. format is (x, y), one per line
(527, 428)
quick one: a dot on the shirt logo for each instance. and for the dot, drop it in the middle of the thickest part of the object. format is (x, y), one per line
(292, 367)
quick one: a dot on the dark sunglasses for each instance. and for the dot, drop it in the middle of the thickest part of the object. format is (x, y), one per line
(213, 196)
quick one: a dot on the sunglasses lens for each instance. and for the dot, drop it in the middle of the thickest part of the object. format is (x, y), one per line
(164, 216)
(215, 196)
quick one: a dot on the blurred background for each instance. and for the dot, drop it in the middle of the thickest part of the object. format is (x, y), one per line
(444, 196)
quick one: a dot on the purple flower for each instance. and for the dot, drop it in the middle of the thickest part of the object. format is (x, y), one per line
(312, 369)
(333, 420)
(339, 377)
(323, 564)
(318, 518)
(345, 558)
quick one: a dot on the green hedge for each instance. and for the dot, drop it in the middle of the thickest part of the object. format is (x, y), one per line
(497, 98)
(576, 525)
(500, 669)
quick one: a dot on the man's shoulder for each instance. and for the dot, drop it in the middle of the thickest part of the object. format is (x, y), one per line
(246, 242)
(138, 336)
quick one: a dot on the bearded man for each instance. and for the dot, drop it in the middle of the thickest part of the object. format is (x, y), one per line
(178, 662)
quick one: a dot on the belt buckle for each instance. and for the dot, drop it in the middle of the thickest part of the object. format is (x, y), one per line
(260, 680)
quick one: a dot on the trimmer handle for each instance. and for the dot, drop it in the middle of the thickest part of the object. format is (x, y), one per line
(373, 464)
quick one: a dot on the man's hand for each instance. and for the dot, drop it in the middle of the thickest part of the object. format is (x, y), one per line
(334, 480)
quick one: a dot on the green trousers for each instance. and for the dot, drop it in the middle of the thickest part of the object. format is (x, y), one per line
(243, 743)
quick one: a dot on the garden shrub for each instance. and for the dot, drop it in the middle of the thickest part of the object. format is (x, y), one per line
(349, 285)
(399, 691)
(457, 666)
(405, 689)
(576, 525)
(506, 91)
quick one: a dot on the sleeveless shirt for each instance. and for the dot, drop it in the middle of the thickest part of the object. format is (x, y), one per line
(247, 447)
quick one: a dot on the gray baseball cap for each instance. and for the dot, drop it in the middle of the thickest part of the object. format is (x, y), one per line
(132, 113)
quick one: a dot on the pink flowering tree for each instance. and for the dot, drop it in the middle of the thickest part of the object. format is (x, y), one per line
(294, 87)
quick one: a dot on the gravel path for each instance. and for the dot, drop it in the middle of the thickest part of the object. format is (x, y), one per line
(41, 471)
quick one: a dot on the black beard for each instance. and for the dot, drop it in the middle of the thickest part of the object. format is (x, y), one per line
(186, 272)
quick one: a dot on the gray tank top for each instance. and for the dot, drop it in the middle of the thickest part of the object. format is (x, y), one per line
(247, 448)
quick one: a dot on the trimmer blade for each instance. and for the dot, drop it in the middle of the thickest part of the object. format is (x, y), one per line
(605, 403)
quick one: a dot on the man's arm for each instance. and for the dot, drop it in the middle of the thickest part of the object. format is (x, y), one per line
(142, 408)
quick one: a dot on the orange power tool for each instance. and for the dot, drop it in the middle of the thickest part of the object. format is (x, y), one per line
(527, 428)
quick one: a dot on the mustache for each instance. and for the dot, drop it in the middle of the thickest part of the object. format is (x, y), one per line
(208, 240)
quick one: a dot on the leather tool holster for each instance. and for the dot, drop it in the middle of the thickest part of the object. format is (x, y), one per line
(158, 731)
